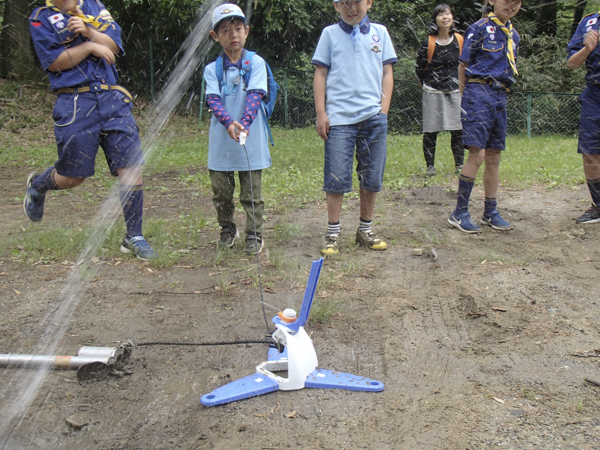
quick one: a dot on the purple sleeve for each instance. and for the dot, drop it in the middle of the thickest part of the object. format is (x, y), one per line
(253, 100)
(214, 103)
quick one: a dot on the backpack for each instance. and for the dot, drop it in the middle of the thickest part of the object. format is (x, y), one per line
(431, 46)
(268, 102)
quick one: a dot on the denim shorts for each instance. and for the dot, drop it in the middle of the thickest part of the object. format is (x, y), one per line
(589, 121)
(89, 120)
(369, 139)
(483, 116)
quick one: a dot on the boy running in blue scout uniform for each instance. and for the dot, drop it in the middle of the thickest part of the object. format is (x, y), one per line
(235, 108)
(76, 42)
(354, 72)
(583, 47)
(488, 64)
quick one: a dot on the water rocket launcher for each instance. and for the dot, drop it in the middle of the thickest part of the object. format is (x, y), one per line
(298, 358)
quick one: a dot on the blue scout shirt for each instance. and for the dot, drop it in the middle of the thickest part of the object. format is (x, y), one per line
(484, 50)
(355, 69)
(592, 62)
(225, 154)
(51, 37)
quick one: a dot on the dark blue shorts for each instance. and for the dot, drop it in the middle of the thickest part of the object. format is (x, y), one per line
(589, 121)
(88, 120)
(369, 139)
(483, 116)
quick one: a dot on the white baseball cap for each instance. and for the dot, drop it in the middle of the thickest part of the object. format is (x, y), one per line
(225, 11)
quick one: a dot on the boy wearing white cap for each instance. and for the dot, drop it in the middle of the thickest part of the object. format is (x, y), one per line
(235, 101)
(353, 62)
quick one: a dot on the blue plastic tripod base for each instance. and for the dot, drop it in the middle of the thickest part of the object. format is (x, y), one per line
(328, 379)
(246, 387)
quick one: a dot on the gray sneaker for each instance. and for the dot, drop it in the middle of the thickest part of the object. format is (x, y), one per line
(228, 237)
(254, 244)
(33, 203)
(431, 171)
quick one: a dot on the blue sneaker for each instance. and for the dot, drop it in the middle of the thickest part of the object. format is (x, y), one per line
(494, 220)
(33, 203)
(139, 247)
(464, 223)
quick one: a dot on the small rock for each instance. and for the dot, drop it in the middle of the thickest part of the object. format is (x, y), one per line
(77, 421)
(418, 252)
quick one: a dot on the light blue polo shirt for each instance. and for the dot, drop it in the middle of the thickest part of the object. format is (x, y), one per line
(355, 70)
(225, 154)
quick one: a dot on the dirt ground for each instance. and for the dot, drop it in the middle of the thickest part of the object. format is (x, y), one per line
(481, 341)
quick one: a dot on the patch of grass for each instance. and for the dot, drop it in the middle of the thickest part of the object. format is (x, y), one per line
(530, 395)
(579, 405)
(322, 310)
(284, 233)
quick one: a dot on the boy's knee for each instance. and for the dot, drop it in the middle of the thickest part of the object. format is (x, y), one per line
(64, 182)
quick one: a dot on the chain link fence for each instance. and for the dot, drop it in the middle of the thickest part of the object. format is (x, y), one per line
(531, 113)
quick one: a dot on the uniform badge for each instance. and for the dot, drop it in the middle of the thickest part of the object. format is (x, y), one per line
(376, 48)
(104, 14)
(591, 22)
(588, 29)
(492, 36)
(490, 29)
(58, 17)
(375, 37)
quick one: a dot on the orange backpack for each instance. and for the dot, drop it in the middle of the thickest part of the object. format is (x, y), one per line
(431, 46)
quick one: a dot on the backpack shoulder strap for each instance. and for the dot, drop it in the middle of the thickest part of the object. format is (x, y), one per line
(430, 48)
(220, 69)
(247, 65)
(460, 41)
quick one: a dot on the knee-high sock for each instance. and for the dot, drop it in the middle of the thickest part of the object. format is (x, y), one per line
(429, 141)
(45, 181)
(458, 151)
(132, 201)
(489, 204)
(594, 187)
(465, 186)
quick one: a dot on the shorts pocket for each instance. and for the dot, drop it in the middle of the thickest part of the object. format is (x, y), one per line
(65, 110)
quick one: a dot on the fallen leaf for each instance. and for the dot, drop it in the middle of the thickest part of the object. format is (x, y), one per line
(291, 415)
(213, 274)
(495, 308)
(499, 400)
(17, 292)
(269, 290)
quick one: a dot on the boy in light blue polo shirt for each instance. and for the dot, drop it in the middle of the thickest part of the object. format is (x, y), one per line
(237, 108)
(353, 62)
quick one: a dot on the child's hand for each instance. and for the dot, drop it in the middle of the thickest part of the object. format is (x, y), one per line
(78, 26)
(323, 126)
(590, 41)
(102, 51)
(234, 129)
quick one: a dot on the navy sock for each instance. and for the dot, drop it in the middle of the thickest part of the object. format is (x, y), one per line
(465, 186)
(489, 205)
(594, 187)
(132, 201)
(45, 181)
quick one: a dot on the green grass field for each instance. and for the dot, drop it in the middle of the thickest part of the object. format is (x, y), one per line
(294, 180)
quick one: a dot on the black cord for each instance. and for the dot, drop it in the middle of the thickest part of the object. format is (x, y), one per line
(262, 300)
(236, 342)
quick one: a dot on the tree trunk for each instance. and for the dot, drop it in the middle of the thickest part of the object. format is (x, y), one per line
(16, 55)
(578, 15)
(545, 17)
(248, 11)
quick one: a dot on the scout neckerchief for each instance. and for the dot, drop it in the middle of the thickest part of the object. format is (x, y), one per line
(507, 29)
(100, 23)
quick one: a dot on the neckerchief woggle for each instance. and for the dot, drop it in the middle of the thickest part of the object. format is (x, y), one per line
(507, 29)
(98, 22)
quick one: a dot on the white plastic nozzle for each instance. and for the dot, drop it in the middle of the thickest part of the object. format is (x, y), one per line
(289, 313)
(243, 138)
